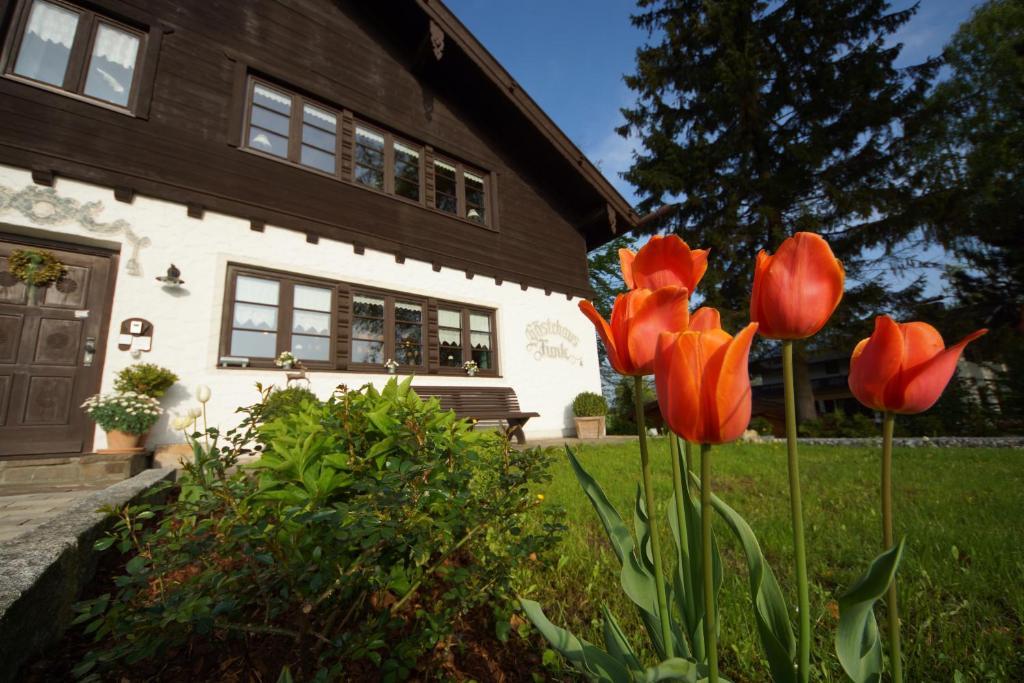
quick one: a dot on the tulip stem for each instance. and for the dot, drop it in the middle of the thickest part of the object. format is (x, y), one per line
(688, 452)
(804, 615)
(682, 498)
(895, 656)
(652, 515)
(710, 632)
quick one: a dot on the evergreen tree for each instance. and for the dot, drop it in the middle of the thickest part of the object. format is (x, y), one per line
(759, 119)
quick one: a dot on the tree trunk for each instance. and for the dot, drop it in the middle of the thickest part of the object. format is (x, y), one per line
(805, 407)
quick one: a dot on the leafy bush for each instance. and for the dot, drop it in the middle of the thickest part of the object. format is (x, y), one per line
(840, 425)
(127, 412)
(374, 523)
(589, 404)
(622, 416)
(761, 426)
(282, 402)
(145, 378)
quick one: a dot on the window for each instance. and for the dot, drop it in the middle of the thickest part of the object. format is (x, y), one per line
(267, 312)
(270, 314)
(460, 191)
(386, 326)
(465, 334)
(276, 128)
(77, 51)
(384, 163)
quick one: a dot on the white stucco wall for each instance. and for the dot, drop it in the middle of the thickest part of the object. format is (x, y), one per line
(187, 325)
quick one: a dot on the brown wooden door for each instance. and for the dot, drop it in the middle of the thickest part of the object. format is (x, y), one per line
(45, 368)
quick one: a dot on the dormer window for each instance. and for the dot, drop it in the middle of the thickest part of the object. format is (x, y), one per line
(67, 48)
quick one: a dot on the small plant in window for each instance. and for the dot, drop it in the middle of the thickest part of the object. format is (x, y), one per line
(391, 365)
(471, 367)
(287, 360)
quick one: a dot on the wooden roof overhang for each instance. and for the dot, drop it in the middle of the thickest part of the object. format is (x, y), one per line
(445, 53)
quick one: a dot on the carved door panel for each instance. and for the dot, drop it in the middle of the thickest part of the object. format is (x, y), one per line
(46, 370)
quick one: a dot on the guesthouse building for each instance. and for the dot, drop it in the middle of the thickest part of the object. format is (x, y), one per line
(351, 182)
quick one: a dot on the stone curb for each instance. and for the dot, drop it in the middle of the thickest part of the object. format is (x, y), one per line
(911, 442)
(43, 571)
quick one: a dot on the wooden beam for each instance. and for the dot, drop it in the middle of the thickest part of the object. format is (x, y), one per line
(196, 211)
(124, 194)
(312, 238)
(42, 177)
(257, 226)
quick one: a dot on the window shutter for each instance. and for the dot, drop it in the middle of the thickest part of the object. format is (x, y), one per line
(433, 342)
(348, 134)
(428, 178)
(343, 327)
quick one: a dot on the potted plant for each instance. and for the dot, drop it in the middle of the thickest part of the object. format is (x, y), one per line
(391, 365)
(589, 410)
(471, 367)
(125, 417)
(148, 379)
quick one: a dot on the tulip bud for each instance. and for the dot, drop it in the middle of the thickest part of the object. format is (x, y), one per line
(195, 412)
(797, 289)
(202, 393)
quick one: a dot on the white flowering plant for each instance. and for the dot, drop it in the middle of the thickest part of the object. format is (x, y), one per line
(391, 364)
(286, 360)
(129, 411)
(470, 367)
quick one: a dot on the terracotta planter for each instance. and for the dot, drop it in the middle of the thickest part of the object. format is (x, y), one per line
(590, 427)
(122, 442)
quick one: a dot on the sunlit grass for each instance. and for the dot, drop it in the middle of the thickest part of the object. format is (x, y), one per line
(961, 581)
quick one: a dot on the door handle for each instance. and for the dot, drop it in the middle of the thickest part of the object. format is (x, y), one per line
(90, 351)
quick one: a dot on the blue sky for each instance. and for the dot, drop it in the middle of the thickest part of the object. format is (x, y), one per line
(571, 56)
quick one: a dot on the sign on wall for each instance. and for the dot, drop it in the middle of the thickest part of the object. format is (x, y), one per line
(551, 340)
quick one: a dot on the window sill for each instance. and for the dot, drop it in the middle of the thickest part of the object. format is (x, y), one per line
(39, 85)
(418, 372)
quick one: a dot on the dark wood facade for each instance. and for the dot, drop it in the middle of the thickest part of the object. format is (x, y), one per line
(376, 59)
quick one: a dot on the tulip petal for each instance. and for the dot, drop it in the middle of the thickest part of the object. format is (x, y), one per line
(668, 261)
(921, 343)
(651, 313)
(920, 387)
(799, 288)
(626, 257)
(727, 384)
(764, 259)
(705, 318)
(605, 332)
(677, 380)
(876, 361)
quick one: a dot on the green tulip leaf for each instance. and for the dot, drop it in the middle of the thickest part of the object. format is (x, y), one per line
(770, 611)
(615, 641)
(675, 669)
(857, 642)
(588, 659)
(637, 580)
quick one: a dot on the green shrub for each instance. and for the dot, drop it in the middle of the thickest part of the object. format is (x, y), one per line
(372, 525)
(127, 412)
(145, 378)
(622, 416)
(589, 404)
(761, 426)
(839, 425)
(281, 402)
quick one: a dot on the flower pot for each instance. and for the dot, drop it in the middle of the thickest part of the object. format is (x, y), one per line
(590, 427)
(123, 442)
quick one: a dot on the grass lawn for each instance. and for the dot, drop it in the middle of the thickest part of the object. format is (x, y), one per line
(961, 581)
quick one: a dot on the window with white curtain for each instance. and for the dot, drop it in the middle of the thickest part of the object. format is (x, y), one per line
(48, 52)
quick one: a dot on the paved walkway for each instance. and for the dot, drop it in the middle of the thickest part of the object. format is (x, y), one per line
(23, 507)
(573, 441)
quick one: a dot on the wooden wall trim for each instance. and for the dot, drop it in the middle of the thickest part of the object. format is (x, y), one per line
(236, 111)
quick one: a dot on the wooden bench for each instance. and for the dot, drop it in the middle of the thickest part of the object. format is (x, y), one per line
(483, 403)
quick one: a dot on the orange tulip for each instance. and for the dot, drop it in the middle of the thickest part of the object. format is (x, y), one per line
(903, 367)
(662, 262)
(797, 289)
(637, 319)
(702, 383)
(705, 318)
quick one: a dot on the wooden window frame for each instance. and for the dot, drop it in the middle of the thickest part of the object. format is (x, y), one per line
(346, 292)
(295, 121)
(467, 347)
(390, 139)
(390, 298)
(285, 313)
(143, 75)
(461, 205)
